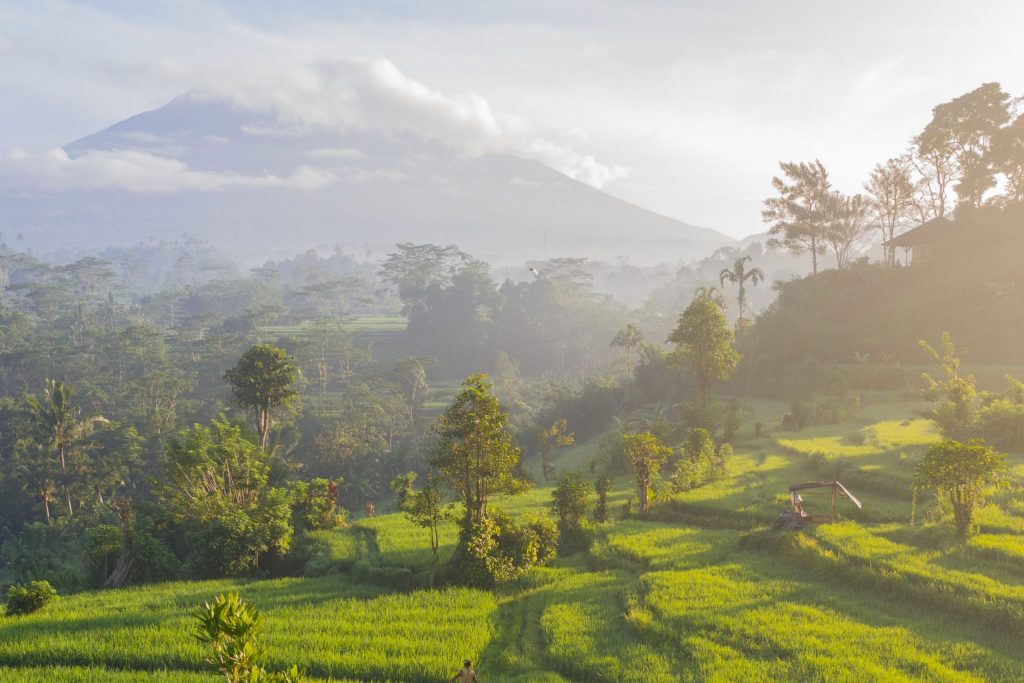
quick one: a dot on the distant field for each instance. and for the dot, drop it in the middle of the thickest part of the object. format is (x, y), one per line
(704, 593)
(377, 324)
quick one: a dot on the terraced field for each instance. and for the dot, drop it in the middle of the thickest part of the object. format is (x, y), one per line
(706, 591)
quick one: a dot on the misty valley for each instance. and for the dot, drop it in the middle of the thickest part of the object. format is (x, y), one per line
(344, 378)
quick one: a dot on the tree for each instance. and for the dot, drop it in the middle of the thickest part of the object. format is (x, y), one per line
(216, 482)
(890, 191)
(953, 397)
(628, 338)
(958, 471)
(1007, 155)
(61, 427)
(704, 343)
(424, 508)
(264, 378)
(800, 213)
(557, 435)
(709, 294)
(963, 129)
(475, 455)
(647, 454)
(739, 275)
(848, 225)
(936, 168)
(411, 374)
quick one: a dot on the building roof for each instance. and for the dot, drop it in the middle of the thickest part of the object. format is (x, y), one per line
(926, 233)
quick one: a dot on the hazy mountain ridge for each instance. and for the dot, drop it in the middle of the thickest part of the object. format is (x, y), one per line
(280, 189)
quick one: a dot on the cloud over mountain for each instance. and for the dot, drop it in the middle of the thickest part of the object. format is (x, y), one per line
(337, 96)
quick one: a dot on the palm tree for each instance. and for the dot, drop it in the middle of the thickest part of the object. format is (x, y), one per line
(629, 338)
(59, 425)
(711, 294)
(739, 275)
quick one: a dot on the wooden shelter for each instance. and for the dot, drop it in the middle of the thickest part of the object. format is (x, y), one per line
(919, 244)
(818, 488)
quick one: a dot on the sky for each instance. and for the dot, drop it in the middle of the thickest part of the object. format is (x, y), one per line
(684, 108)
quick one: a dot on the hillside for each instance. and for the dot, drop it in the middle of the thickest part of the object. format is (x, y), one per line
(240, 179)
(705, 592)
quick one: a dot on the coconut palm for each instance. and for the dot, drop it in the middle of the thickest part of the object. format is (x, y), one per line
(739, 275)
(711, 294)
(60, 425)
(629, 338)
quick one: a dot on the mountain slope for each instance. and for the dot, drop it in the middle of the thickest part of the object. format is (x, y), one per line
(262, 188)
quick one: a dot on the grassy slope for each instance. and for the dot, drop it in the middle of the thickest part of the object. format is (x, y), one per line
(704, 593)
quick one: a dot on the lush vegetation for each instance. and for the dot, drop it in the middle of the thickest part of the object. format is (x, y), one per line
(284, 474)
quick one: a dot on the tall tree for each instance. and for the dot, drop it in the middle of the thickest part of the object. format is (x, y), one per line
(1008, 158)
(704, 343)
(936, 168)
(964, 128)
(799, 214)
(738, 275)
(890, 191)
(628, 338)
(264, 378)
(411, 374)
(848, 225)
(647, 454)
(475, 454)
(61, 426)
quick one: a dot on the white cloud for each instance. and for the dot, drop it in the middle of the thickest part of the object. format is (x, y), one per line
(337, 153)
(136, 172)
(375, 95)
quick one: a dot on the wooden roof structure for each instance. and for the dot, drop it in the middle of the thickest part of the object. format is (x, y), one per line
(819, 488)
(931, 232)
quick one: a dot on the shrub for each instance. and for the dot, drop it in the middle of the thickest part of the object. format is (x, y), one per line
(1001, 423)
(572, 502)
(30, 597)
(315, 504)
(699, 463)
(231, 627)
(496, 550)
(958, 471)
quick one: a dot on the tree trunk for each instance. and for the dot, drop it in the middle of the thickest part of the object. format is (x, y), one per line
(814, 256)
(263, 426)
(64, 476)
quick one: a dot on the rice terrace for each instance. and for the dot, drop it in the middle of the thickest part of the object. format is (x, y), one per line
(373, 343)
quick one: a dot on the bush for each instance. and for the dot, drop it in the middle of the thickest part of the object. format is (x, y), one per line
(1001, 423)
(572, 503)
(231, 628)
(699, 464)
(496, 550)
(315, 504)
(30, 597)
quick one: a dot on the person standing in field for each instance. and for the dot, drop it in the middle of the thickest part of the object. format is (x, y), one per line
(466, 674)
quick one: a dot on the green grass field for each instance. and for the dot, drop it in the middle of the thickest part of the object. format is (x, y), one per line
(707, 592)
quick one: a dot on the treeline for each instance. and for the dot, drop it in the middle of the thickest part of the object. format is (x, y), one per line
(971, 154)
(967, 166)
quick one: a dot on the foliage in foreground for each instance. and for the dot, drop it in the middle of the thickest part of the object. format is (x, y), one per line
(29, 598)
(231, 628)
